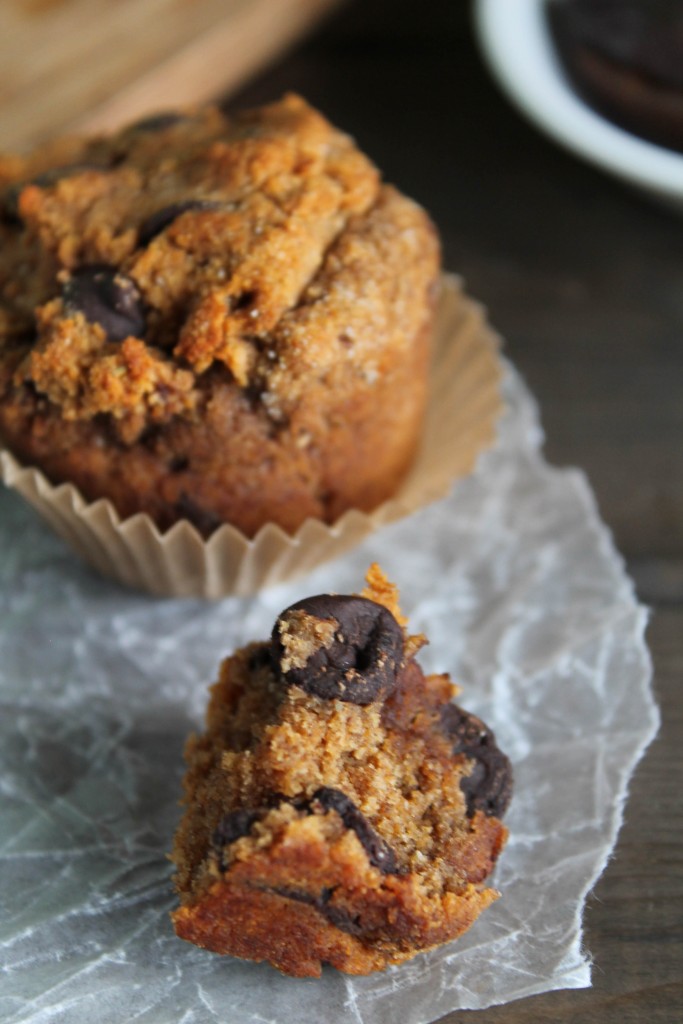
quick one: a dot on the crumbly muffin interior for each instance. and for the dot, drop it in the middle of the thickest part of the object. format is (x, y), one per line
(273, 752)
(387, 759)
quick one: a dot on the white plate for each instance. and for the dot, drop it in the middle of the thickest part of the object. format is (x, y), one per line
(516, 40)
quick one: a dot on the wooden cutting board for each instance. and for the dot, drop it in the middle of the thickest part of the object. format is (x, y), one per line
(94, 64)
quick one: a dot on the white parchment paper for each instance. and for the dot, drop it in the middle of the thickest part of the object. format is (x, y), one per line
(526, 603)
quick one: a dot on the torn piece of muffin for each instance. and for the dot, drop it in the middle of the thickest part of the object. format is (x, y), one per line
(217, 319)
(339, 807)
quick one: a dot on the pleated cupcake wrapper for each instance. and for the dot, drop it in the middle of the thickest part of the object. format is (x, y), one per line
(464, 406)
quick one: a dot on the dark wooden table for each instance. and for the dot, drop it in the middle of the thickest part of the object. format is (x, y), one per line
(584, 279)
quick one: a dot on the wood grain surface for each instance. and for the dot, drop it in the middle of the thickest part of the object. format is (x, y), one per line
(584, 279)
(95, 64)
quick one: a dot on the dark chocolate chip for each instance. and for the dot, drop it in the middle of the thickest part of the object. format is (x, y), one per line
(338, 916)
(238, 823)
(157, 222)
(488, 787)
(342, 919)
(234, 826)
(105, 297)
(361, 663)
(299, 895)
(158, 122)
(379, 852)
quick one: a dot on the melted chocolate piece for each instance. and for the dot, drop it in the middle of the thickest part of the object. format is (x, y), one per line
(159, 221)
(337, 916)
(106, 297)
(236, 824)
(231, 827)
(361, 663)
(379, 852)
(342, 919)
(488, 787)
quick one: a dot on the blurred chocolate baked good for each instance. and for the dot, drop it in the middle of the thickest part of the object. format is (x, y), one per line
(213, 318)
(625, 57)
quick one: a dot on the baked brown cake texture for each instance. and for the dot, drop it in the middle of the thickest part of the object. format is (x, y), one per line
(220, 319)
(340, 808)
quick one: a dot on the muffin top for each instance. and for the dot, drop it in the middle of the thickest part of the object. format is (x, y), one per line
(137, 269)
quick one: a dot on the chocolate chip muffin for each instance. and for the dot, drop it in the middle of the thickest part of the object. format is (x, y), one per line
(626, 58)
(213, 318)
(340, 808)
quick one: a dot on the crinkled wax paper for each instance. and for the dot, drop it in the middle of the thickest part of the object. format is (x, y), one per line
(526, 604)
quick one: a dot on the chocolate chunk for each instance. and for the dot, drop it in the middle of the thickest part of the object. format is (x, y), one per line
(360, 663)
(338, 916)
(379, 852)
(238, 823)
(234, 826)
(488, 787)
(342, 919)
(299, 895)
(157, 222)
(105, 297)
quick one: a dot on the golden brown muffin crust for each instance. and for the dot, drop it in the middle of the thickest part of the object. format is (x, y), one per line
(267, 311)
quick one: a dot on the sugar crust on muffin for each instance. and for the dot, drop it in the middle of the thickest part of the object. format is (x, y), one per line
(221, 319)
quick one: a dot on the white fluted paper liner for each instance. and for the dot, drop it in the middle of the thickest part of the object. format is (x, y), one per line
(526, 603)
(463, 408)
